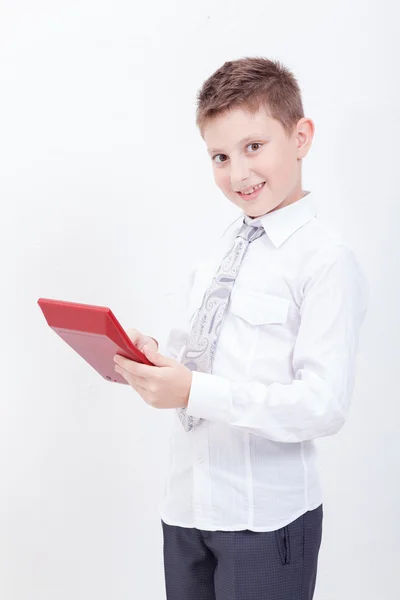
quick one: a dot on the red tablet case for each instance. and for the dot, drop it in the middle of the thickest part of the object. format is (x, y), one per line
(93, 332)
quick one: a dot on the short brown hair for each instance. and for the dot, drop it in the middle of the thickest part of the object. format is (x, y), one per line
(251, 82)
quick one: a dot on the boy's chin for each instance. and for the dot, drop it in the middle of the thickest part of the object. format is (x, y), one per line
(255, 211)
(258, 209)
(252, 209)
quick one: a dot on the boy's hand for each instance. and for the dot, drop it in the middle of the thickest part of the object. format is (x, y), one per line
(139, 339)
(165, 385)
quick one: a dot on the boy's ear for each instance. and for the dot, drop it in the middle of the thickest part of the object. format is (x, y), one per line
(305, 133)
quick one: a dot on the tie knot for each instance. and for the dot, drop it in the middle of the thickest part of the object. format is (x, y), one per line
(251, 232)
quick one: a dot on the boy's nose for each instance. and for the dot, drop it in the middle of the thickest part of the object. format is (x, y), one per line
(240, 175)
(240, 183)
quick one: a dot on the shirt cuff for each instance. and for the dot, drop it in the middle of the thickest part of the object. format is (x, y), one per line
(209, 397)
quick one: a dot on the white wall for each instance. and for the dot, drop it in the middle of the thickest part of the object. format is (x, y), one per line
(106, 192)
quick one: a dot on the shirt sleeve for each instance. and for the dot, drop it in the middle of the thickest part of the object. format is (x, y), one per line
(335, 298)
(179, 330)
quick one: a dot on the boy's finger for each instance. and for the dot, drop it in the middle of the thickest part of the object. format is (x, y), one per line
(134, 335)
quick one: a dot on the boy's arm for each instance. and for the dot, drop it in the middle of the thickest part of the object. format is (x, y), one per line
(315, 403)
(177, 334)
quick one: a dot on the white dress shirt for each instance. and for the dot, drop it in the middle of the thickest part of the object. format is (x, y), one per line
(283, 375)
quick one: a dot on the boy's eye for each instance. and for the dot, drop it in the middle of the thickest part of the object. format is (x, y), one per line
(252, 144)
(214, 157)
(255, 144)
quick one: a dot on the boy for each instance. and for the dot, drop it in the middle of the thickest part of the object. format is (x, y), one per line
(263, 362)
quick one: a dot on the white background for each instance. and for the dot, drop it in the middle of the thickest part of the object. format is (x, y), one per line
(107, 197)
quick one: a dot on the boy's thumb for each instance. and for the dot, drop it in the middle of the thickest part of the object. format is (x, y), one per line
(155, 357)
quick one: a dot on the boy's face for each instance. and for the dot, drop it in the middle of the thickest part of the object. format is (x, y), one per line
(247, 150)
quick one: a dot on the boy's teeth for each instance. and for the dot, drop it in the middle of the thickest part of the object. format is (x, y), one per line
(253, 189)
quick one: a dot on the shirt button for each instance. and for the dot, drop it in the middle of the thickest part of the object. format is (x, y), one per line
(200, 459)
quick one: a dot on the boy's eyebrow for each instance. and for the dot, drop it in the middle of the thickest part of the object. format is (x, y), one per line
(246, 139)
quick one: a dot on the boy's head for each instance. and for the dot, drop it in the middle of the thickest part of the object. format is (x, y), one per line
(250, 115)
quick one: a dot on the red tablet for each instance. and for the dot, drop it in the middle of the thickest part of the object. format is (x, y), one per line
(93, 332)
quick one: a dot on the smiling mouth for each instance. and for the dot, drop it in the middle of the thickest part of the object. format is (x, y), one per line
(253, 191)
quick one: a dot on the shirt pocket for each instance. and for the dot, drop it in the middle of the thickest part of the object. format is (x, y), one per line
(259, 308)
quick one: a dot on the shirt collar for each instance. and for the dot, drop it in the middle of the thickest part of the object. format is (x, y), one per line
(280, 224)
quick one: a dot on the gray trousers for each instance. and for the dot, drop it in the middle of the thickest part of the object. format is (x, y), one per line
(243, 565)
